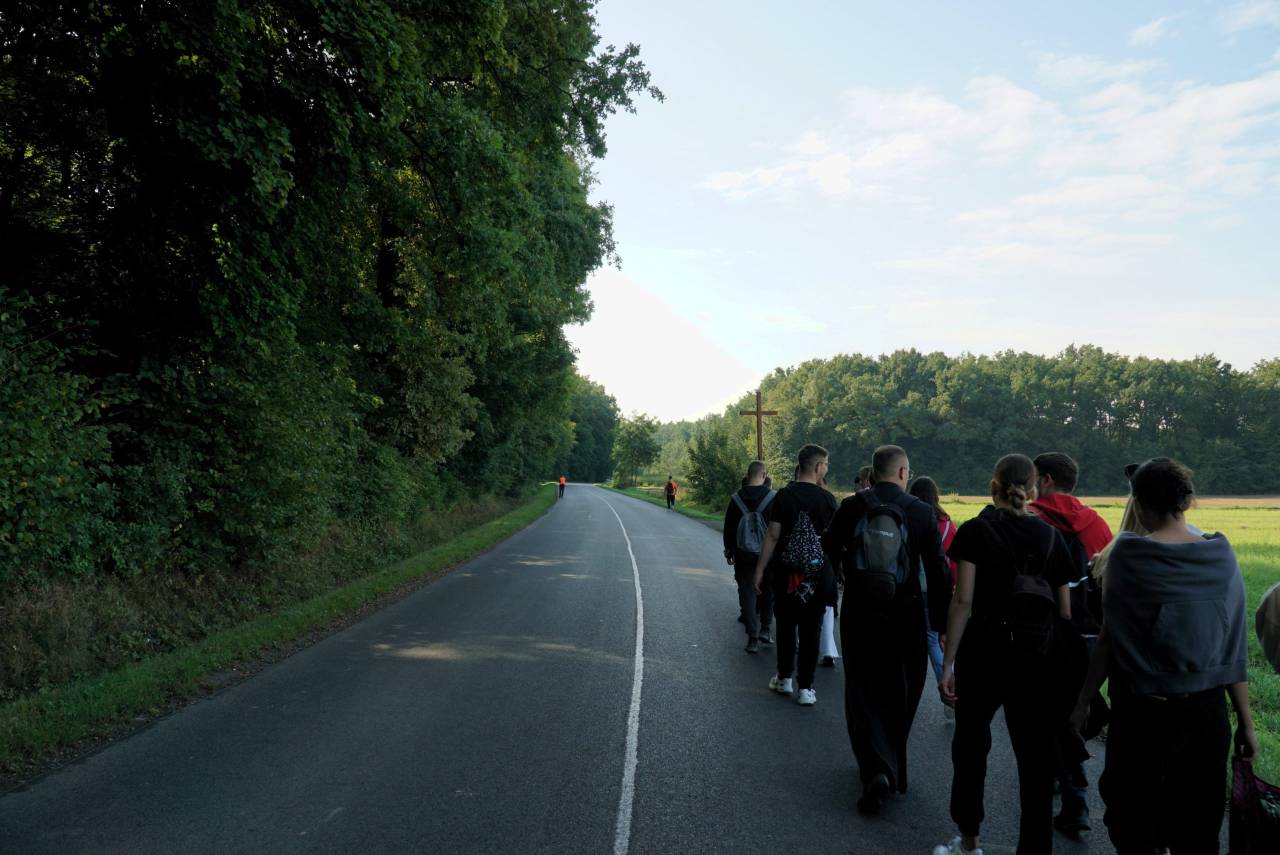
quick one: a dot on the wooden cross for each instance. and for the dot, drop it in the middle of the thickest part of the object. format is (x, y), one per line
(759, 412)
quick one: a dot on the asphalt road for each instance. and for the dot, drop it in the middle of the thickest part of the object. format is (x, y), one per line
(489, 711)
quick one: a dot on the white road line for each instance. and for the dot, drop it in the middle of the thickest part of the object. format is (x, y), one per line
(622, 833)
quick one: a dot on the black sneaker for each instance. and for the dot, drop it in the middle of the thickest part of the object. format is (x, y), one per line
(753, 646)
(1073, 819)
(766, 637)
(829, 661)
(874, 795)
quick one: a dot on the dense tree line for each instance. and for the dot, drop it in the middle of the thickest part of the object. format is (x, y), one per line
(635, 448)
(274, 270)
(594, 414)
(958, 414)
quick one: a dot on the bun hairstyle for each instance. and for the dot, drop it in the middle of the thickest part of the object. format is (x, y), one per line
(1163, 486)
(1014, 481)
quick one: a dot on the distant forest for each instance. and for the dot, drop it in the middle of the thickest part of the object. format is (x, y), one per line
(957, 415)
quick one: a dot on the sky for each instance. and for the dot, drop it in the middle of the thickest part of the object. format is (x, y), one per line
(839, 177)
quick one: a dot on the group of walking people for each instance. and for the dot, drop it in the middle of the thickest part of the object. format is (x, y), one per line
(1028, 607)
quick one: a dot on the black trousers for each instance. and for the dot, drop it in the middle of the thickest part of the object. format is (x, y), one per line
(1165, 780)
(799, 624)
(885, 662)
(671, 501)
(988, 678)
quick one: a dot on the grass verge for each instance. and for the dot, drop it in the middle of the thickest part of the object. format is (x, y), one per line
(655, 496)
(36, 726)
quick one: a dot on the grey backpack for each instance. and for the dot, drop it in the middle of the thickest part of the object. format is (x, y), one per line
(880, 561)
(752, 526)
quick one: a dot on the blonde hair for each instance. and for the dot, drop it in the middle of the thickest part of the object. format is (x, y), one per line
(1130, 523)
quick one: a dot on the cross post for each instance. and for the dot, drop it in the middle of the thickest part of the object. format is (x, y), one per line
(759, 412)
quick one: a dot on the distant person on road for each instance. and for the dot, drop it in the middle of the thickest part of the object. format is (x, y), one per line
(804, 584)
(1086, 534)
(670, 491)
(563, 481)
(879, 538)
(925, 489)
(1174, 645)
(746, 525)
(1012, 578)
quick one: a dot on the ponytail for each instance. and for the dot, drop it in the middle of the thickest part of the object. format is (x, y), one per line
(1014, 481)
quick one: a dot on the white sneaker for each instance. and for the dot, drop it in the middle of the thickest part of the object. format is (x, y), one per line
(807, 697)
(953, 847)
(781, 685)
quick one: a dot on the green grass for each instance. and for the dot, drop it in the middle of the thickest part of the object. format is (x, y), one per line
(1254, 533)
(655, 496)
(37, 725)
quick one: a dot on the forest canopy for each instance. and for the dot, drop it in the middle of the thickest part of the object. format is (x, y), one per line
(956, 415)
(271, 271)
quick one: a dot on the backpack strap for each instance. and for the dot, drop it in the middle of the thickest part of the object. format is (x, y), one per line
(741, 504)
(1004, 542)
(764, 503)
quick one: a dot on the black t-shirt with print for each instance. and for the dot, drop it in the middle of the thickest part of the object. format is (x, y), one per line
(791, 500)
(995, 542)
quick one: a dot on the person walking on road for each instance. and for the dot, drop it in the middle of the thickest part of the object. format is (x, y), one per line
(880, 538)
(1086, 534)
(563, 481)
(925, 489)
(1174, 645)
(1012, 578)
(670, 491)
(793, 562)
(746, 525)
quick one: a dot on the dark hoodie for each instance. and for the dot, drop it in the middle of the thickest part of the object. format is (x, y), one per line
(751, 497)
(1175, 615)
(1066, 513)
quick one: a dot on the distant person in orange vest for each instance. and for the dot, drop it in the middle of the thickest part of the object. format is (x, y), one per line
(563, 481)
(671, 493)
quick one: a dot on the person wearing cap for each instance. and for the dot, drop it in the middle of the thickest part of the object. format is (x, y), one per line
(1266, 622)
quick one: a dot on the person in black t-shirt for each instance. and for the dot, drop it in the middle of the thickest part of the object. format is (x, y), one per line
(885, 641)
(756, 608)
(1003, 543)
(801, 511)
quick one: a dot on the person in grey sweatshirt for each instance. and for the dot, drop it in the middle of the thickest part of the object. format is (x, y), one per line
(1173, 643)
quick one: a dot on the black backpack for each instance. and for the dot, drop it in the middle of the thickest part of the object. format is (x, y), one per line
(880, 561)
(803, 558)
(1086, 613)
(1032, 610)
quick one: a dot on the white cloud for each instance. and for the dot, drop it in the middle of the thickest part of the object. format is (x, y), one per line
(1076, 70)
(1089, 182)
(642, 351)
(1250, 15)
(1151, 33)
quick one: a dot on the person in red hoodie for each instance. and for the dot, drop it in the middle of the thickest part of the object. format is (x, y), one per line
(1086, 534)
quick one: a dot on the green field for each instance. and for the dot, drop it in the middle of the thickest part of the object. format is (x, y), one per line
(1254, 531)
